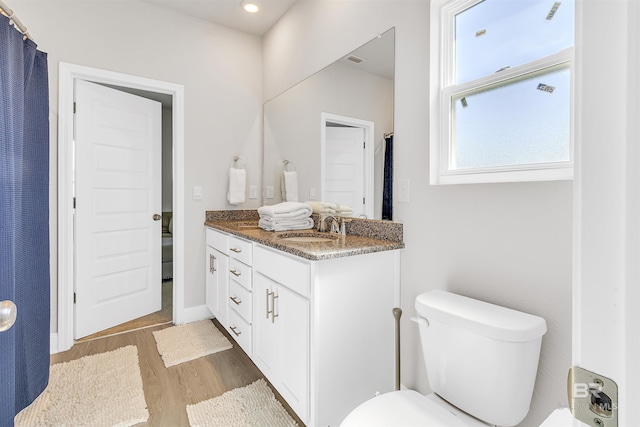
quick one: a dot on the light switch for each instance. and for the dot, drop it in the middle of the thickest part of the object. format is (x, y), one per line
(269, 191)
(253, 192)
(312, 194)
(197, 192)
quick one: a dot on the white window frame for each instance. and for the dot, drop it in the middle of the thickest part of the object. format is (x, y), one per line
(443, 89)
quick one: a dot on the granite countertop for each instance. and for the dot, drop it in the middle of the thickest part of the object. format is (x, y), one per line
(363, 236)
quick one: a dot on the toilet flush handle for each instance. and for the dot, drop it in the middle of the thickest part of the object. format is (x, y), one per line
(420, 321)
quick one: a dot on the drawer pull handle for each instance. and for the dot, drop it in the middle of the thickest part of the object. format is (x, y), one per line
(235, 330)
(236, 300)
(235, 273)
(236, 250)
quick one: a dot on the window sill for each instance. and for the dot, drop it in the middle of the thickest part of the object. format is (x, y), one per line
(497, 176)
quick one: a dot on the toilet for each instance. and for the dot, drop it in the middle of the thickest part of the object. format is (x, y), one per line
(481, 362)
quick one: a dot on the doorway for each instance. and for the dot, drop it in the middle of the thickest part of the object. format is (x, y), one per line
(69, 74)
(347, 163)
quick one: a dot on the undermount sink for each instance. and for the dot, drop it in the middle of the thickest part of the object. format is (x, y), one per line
(308, 237)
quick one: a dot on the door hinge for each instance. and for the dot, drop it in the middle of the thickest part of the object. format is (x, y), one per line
(74, 203)
(363, 201)
(74, 297)
(364, 145)
(74, 108)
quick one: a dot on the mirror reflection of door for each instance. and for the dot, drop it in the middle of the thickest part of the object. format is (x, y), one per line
(347, 163)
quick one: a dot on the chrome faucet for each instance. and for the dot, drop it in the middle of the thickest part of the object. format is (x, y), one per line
(335, 225)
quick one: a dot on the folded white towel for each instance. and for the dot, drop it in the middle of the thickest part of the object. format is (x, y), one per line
(330, 208)
(290, 186)
(286, 210)
(284, 225)
(237, 185)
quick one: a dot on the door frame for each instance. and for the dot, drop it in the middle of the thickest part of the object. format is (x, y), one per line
(68, 73)
(368, 127)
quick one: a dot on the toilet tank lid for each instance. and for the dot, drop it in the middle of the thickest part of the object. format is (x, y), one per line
(481, 317)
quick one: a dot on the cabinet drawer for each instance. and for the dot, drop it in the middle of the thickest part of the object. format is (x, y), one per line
(280, 268)
(217, 240)
(240, 300)
(240, 330)
(240, 272)
(241, 250)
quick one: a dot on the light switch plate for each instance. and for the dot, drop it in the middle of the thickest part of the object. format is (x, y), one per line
(312, 194)
(253, 192)
(269, 191)
(197, 192)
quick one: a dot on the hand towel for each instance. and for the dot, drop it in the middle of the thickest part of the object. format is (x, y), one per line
(286, 210)
(237, 185)
(290, 184)
(285, 225)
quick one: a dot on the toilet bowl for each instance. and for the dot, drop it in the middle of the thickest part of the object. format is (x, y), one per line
(408, 408)
(481, 362)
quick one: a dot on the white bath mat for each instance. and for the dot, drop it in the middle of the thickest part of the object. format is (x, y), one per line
(100, 390)
(190, 341)
(253, 405)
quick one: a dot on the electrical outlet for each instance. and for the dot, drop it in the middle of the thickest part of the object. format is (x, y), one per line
(253, 192)
(403, 190)
(269, 191)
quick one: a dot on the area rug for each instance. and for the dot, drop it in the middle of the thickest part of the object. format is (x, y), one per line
(100, 390)
(253, 405)
(190, 341)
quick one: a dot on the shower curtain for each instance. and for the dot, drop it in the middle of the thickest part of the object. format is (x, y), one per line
(24, 220)
(387, 186)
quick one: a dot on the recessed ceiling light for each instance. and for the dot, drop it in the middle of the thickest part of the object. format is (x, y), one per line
(250, 6)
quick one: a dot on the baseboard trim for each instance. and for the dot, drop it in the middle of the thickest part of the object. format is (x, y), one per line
(193, 314)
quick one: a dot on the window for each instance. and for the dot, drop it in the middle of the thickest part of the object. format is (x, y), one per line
(501, 90)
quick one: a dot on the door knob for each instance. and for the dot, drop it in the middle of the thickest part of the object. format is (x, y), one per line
(8, 313)
(157, 217)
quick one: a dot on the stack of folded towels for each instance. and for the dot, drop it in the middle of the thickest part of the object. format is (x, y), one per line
(286, 216)
(330, 208)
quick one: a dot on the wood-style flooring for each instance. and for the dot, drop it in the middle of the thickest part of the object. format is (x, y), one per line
(169, 390)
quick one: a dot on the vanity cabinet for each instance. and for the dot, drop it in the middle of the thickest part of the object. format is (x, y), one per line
(217, 276)
(321, 331)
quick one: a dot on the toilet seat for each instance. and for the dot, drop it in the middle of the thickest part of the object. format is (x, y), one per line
(408, 408)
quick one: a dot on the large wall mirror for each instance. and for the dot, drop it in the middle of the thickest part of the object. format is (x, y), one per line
(330, 130)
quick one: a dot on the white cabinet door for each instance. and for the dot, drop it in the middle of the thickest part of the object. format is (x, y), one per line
(292, 321)
(265, 351)
(217, 283)
(281, 352)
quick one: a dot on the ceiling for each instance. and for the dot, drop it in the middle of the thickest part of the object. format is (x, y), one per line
(230, 14)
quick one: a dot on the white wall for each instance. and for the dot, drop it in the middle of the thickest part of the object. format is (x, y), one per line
(221, 73)
(510, 244)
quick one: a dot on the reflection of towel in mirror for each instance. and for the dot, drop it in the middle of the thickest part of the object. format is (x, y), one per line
(289, 186)
(330, 208)
(290, 210)
(237, 184)
(270, 224)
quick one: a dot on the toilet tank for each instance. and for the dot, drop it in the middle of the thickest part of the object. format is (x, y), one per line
(480, 357)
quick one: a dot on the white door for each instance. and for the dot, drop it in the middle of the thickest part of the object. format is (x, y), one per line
(118, 192)
(344, 167)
